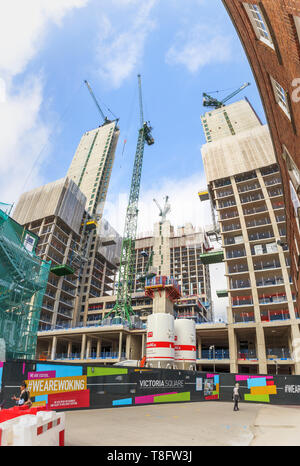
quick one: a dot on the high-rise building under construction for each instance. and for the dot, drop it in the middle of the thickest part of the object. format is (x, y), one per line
(246, 189)
(92, 164)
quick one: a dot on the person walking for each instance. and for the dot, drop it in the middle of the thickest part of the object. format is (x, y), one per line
(236, 397)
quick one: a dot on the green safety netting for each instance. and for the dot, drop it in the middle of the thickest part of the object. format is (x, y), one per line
(23, 280)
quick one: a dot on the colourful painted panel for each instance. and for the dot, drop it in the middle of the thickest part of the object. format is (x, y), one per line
(60, 370)
(257, 382)
(150, 398)
(58, 385)
(101, 371)
(263, 398)
(125, 401)
(268, 390)
(184, 396)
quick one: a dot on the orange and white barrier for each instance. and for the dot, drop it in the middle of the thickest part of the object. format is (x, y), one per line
(46, 428)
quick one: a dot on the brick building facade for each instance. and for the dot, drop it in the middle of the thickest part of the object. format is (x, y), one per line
(269, 31)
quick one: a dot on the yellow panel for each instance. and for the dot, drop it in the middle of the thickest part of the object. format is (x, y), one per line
(267, 390)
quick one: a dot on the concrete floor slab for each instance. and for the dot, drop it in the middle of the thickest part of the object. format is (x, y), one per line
(184, 424)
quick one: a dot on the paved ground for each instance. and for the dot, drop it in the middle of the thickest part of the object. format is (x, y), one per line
(184, 424)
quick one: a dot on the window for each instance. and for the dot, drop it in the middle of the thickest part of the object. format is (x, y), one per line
(293, 171)
(259, 24)
(281, 97)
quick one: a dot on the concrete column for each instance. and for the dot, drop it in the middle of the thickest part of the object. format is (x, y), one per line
(69, 349)
(232, 349)
(261, 350)
(128, 346)
(199, 344)
(98, 354)
(143, 344)
(49, 349)
(120, 344)
(88, 348)
(83, 343)
(53, 349)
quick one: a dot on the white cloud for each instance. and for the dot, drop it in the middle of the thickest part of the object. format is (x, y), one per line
(120, 46)
(23, 27)
(22, 136)
(199, 47)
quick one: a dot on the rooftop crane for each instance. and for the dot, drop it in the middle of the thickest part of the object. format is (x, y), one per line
(105, 119)
(209, 101)
(123, 306)
(163, 212)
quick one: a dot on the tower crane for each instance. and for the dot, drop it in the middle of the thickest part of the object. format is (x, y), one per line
(163, 212)
(104, 118)
(209, 101)
(123, 306)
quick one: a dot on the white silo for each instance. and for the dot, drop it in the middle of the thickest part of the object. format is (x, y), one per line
(160, 341)
(185, 344)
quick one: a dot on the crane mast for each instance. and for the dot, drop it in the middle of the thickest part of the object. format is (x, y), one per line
(123, 307)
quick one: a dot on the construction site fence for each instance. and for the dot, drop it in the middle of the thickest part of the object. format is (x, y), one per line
(61, 386)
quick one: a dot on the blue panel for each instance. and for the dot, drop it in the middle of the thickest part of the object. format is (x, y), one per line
(216, 379)
(61, 371)
(41, 398)
(125, 401)
(257, 382)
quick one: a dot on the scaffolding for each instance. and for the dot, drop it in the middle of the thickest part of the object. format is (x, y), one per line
(23, 280)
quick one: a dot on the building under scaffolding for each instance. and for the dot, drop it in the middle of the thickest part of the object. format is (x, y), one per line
(23, 279)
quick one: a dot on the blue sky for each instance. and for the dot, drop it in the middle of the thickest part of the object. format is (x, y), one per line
(181, 48)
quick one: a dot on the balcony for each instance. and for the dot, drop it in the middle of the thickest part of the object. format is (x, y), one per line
(278, 353)
(248, 187)
(247, 354)
(237, 284)
(273, 181)
(268, 248)
(272, 299)
(253, 198)
(224, 193)
(221, 183)
(275, 192)
(256, 210)
(230, 240)
(224, 204)
(240, 268)
(236, 254)
(243, 317)
(242, 301)
(270, 281)
(278, 205)
(229, 215)
(245, 177)
(231, 227)
(269, 170)
(265, 265)
(260, 236)
(271, 316)
(258, 222)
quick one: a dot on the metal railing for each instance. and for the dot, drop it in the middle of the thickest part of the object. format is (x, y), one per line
(278, 353)
(247, 354)
(213, 354)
